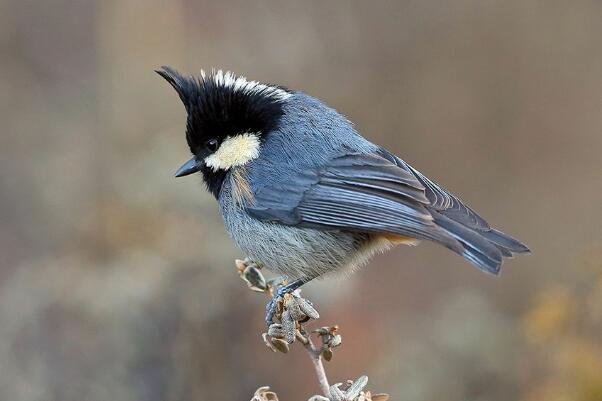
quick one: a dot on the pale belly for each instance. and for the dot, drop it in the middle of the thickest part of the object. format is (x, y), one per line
(300, 252)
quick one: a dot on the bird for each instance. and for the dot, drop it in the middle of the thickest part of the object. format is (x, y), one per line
(304, 194)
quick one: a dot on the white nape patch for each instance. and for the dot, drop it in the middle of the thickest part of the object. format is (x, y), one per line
(234, 151)
(240, 83)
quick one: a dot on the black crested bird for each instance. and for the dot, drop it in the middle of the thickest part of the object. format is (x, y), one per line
(304, 194)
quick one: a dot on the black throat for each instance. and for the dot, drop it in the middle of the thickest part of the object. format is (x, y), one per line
(214, 180)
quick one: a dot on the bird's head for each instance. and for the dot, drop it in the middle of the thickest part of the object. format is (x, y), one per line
(228, 118)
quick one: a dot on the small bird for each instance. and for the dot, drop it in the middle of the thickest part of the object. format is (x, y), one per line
(302, 193)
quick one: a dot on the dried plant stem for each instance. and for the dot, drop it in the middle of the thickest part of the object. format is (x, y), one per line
(290, 314)
(316, 358)
(319, 367)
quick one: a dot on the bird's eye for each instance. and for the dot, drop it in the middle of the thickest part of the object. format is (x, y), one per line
(212, 145)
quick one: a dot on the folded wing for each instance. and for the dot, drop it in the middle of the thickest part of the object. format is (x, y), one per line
(380, 193)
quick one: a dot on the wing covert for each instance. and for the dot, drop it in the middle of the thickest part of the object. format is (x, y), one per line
(364, 192)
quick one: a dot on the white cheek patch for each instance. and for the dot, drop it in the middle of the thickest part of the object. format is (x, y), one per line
(234, 151)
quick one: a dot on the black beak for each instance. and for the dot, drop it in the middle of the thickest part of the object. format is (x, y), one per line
(190, 167)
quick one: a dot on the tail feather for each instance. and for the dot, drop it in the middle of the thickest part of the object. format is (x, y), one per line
(485, 249)
(480, 244)
(505, 252)
(505, 241)
(483, 253)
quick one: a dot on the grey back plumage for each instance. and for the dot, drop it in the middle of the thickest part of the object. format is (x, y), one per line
(316, 172)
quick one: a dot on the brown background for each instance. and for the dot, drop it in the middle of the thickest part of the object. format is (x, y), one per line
(117, 281)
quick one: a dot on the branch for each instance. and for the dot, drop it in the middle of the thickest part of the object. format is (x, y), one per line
(292, 314)
(315, 355)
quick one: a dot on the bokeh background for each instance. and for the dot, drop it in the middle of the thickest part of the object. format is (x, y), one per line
(117, 281)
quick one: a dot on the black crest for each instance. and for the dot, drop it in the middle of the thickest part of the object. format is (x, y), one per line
(221, 104)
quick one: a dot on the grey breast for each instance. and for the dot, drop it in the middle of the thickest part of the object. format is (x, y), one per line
(290, 251)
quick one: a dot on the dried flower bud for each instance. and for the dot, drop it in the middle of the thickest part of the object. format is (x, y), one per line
(317, 398)
(263, 394)
(240, 265)
(291, 304)
(254, 278)
(307, 308)
(301, 337)
(275, 330)
(336, 394)
(379, 397)
(327, 354)
(334, 341)
(288, 326)
(356, 387)
(322, 330)
(280, 345)
(267, 341)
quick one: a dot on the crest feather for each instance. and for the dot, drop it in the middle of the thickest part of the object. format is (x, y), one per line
(177, 81)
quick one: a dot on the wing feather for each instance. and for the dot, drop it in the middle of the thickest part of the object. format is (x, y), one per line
(357, 192)
(445, 202)
(380, 193)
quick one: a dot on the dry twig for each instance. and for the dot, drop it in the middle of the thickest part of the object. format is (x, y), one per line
(292, 314)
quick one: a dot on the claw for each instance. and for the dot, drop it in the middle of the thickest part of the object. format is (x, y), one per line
(272, 306)
(270, 310)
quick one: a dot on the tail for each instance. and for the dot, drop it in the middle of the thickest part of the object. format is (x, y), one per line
(485, 247)
(482, 245)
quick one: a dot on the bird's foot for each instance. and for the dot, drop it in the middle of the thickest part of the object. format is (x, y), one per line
(276, 303)
(276, 288)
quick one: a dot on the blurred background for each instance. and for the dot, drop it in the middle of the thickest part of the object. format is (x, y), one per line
(117, 281)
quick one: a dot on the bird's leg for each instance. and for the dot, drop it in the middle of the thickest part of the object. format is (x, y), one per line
(270, 308)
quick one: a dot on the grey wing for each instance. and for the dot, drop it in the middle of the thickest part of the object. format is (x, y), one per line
(365, 192)
(485, 246)
(380, 193)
